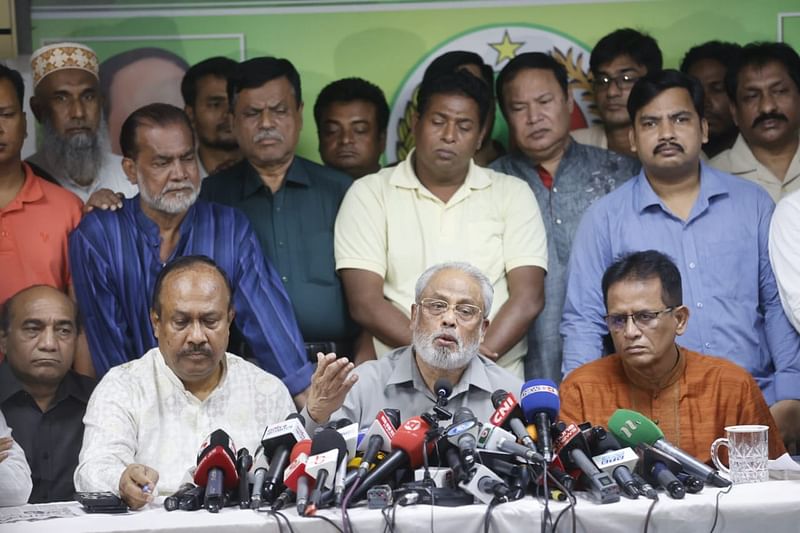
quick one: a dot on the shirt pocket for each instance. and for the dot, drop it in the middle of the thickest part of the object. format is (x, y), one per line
(731, 267)
(319, 261)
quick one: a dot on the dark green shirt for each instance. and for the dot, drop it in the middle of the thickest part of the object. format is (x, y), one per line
(295, 227)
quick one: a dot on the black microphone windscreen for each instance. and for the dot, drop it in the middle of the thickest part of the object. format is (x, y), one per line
(328, 439)
(443, 387)
(297, 415)
(498, 396)
(394, 416)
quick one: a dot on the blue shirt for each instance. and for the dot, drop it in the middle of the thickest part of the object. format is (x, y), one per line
(721, 252)
(115, 259)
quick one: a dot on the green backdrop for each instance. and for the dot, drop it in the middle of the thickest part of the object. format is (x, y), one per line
(384, 41)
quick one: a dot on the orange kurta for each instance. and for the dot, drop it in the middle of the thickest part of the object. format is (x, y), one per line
(692, 405)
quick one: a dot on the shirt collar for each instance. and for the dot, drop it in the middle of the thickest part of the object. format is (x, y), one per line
(296, 174)
(405, 177)
(69, 386)
(711, 185)
(646, 383)
(406, 371)
(150, 229)
(31, 190)
(742, 159)
(164, 369)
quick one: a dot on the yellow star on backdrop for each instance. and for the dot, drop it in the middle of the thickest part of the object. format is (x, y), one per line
(506, 49)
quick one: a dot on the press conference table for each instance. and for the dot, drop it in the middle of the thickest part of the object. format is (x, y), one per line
(772, 507)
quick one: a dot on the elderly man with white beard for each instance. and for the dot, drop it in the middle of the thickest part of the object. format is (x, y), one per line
(448, 321)
(116, 256)
(74, 150)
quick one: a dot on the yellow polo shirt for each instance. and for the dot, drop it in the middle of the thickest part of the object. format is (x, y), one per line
(740, 161)
(390, 224)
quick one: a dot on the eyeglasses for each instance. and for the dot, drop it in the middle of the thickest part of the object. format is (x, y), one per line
(623, 82)
(464, 312)
(641, 319)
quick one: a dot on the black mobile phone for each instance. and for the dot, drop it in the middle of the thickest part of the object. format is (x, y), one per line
(101, 502)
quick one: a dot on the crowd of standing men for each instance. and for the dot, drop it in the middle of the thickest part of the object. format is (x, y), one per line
(131, 269)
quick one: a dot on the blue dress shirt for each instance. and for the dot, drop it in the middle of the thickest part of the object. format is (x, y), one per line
(115, 259)
(721, 252)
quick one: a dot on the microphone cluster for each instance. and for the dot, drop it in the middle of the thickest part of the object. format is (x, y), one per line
(522, 449)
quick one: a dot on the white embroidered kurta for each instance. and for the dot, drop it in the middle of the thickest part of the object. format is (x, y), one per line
(15, 474)
(140, 412)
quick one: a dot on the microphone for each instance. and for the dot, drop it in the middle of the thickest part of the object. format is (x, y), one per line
(462, 433)
(378, 438)
(485, 485)
(615, 460)
(540, 404)
(508, 415)
(259, 476)
(658, 467)
(244, 461)
(277, 441)
(645, 488)
(495, 438)
(327, 447)
(350, 434)
(216, 468)
(172, 501)
(192, 499)
(632, 428)
(571, 448)
(692, 484)
(443, 388)
(407, 451)
(295, 478)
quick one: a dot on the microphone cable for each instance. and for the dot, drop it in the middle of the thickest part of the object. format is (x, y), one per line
(650, 513)
(570, 506)
(487, 517)
(278, 516)
(346, 525)
(726, 490)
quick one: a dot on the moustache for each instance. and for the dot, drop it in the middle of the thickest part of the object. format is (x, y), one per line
(204, 350)
(662, 146)
(769, 116)
(268, 135)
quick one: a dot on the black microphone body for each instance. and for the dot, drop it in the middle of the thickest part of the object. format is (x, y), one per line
(215, 497)
(244, 461)
(543, 437)
(283, 500)
(316, 494)
(278, 463)
(173, 501)
(692, 484)
(373, 447)
(192, 500)
(572, 450)
(394, 461)
(662, 469)
(644, 488)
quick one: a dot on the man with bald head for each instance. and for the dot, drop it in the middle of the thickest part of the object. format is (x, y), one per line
(148, 417)
(41, 398)
(449, 318)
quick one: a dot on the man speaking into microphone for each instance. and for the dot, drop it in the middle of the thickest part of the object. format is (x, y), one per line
(692, 397)
(147, 417)
(448, 322)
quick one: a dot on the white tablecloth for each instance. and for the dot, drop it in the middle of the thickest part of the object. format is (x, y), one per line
(772, 507)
